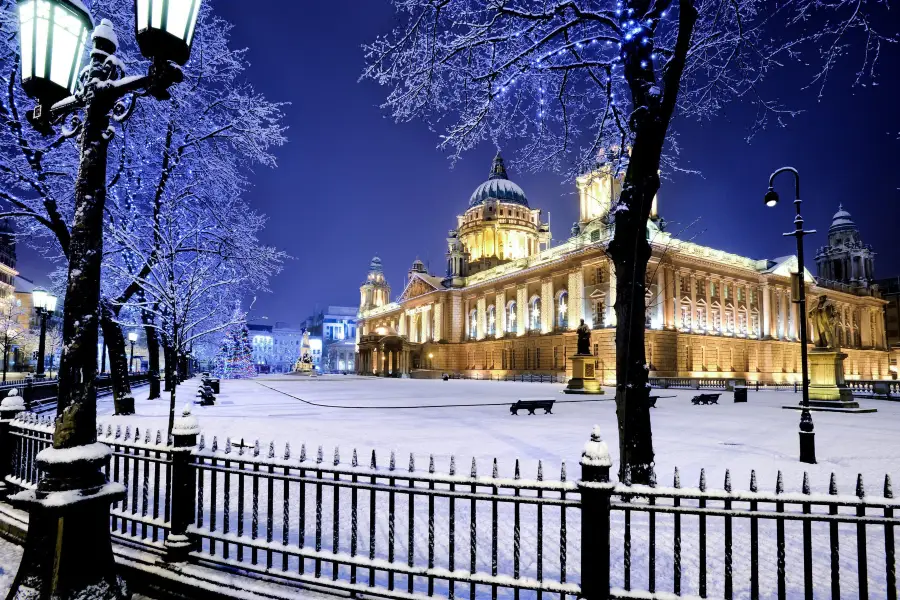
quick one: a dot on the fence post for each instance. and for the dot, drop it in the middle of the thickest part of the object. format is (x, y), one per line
(28, 393)
(596, 491)
(11, 406)
(184, 434)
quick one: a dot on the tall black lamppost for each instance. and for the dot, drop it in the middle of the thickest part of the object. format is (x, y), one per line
(68, 552)
(132, 337)
(44, 304)
(807, 433)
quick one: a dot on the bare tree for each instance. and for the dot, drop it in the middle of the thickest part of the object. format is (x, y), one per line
(574, 82)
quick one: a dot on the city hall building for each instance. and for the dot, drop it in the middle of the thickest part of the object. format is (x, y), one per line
(509, 303)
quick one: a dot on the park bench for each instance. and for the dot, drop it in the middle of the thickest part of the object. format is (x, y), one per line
(206, 395)
(706, 399)
(532, 405)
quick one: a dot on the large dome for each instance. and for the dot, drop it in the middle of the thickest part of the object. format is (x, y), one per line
(498, 187)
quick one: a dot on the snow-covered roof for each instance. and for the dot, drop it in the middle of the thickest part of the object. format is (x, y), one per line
(503, 190)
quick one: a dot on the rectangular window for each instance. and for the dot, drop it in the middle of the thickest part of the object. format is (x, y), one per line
(555, 357)
(537, 358)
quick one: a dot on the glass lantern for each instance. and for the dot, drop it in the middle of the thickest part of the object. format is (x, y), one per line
(53, 37)
(165, 28)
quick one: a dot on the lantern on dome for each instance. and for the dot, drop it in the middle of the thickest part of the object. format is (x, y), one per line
(165, 28)
(53, 35)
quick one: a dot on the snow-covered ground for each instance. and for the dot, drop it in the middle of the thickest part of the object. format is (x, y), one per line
(10, 556)
(366, 413)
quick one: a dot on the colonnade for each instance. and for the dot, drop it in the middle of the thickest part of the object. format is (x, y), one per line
(384, 362)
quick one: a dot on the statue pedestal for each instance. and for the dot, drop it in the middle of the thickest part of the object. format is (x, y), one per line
(584, 380)
(826, 380)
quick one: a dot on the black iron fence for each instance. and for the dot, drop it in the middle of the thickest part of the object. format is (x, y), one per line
(402, 531)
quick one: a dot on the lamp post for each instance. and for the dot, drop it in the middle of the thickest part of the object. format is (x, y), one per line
(132, 337)
(807, 432)
(44, 304)
(68, 551)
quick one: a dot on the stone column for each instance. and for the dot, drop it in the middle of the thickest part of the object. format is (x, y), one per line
(661, 297)
(481, 317)
(694, 324)
(401, 329)
(795, 322)
(521, 310)
(500, 308)
(676, 299)
(576, 297)
(766, 324)
(548, 306)
(611, 298)
(708, 294)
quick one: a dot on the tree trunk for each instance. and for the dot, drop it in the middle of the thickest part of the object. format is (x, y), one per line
(169, 357)
(172, 352)
(5, 359)
(630, 253)
(152, 336)
(629, 249)
(118, 360)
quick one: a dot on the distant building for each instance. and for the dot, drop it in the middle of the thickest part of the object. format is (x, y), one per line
(336, 328)
(508, 304)
(277, 347)
(8, 271)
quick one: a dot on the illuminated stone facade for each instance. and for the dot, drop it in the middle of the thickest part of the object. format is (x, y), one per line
(709, 313)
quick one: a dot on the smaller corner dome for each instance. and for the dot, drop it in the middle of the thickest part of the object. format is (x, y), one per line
(498, 187)
(418, 266)
(375, 265)
(841, 220)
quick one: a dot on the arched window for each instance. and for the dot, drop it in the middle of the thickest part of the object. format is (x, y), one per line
(491, 320)
(562, 311)
(534, 318)
(511, 326)
(473, 324)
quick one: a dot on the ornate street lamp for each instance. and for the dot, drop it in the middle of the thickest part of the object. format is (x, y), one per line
(165, 28)
(44, 304)
(68, 551)
(807, 430)
(53, 36)
(132, 337)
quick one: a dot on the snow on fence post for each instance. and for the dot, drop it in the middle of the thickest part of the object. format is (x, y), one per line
(11, 406)
(596, 491)
(184, 435)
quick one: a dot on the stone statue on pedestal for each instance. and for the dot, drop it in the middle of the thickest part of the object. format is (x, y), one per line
(584, 378)
(823, 317)
(827, 387)
(584, 339)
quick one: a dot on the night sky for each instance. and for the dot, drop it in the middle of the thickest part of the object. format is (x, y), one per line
(351, 183)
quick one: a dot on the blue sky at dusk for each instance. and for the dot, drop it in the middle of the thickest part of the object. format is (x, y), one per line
(352, 183)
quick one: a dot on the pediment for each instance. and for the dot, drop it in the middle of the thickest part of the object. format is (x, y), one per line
(417, 286)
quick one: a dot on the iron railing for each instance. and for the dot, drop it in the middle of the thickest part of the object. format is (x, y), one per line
(389, 531)
(143, 466)
(727, 544)
(409, 533)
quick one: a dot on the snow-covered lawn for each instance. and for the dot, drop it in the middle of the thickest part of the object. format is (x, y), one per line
(366, 413)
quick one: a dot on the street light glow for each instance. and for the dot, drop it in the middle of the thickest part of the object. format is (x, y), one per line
(771, 198)
(53, 36)
(132, 337)
(165, 28)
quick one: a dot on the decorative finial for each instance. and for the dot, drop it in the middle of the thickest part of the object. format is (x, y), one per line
(498, 169)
